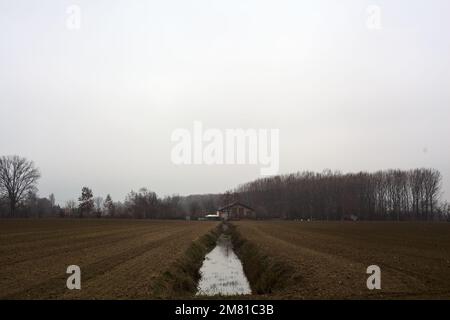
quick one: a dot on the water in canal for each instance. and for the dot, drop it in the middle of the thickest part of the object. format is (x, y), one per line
(222, 272)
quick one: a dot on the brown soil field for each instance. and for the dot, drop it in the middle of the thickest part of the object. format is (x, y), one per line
(119, 259)
(322, 260)
(141, 259)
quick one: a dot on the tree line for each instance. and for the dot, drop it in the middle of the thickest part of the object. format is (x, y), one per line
(143, 204)
(383, 195)
(19, 199)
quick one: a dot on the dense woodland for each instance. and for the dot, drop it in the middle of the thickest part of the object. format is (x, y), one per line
(383, 195)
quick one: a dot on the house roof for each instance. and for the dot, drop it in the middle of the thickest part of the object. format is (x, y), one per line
(236, 203)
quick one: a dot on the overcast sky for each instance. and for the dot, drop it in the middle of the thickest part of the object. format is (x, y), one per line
(97, 105)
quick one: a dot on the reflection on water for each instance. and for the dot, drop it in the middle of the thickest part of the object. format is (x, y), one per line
(222, 272)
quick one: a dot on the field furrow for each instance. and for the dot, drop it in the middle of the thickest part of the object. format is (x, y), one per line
(118, 259)
(329, 260)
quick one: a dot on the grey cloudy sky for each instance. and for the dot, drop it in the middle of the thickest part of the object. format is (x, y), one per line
(97, 106)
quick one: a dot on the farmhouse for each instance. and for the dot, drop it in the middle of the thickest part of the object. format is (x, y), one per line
(236, 211)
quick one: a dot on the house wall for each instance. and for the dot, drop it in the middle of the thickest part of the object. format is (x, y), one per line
(240, 212)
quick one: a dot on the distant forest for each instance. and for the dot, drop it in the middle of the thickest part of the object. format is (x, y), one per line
(383, 195)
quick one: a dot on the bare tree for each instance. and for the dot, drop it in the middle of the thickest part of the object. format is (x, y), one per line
(98, 201)
(86, 201)
(18, 176)
(194, 208)
(51, 197)
(109, 206)
(432, 188)
(143, 204)
(71, 207)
